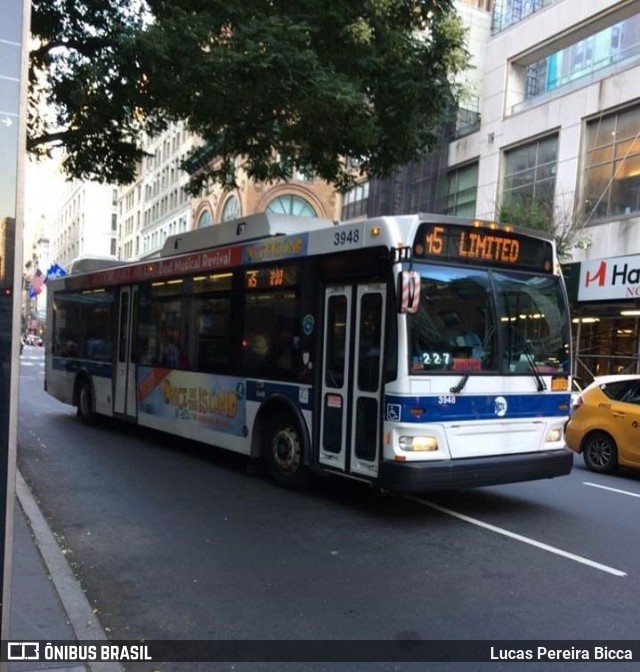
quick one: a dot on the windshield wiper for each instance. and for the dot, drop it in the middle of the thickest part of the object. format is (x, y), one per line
(526, 349)
(459, 387)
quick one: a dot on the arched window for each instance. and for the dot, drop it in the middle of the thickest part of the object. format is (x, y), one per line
(231, 209)
(205, 220)
(288, 204)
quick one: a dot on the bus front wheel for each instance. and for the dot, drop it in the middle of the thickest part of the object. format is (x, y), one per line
(85, 402)
(283, 453)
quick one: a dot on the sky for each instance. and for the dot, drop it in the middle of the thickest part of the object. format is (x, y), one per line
(44, 190)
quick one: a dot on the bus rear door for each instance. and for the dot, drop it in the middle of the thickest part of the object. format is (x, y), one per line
(124, 394)
(350, 421)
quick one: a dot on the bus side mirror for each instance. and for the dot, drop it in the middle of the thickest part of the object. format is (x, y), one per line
(408, 291)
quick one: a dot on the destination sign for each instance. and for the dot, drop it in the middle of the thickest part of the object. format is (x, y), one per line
(484, 246)
(271, 278)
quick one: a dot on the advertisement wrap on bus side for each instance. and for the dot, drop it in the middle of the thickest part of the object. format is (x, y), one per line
(215, 402)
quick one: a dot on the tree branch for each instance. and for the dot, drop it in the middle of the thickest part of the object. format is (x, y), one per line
(86, 47)
(48, 139)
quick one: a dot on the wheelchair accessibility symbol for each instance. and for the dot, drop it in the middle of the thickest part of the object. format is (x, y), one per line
(394, 411)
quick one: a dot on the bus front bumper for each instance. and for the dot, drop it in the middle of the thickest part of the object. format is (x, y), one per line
(473, 472)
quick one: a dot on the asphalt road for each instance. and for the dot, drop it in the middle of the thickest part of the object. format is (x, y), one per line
(173, 540)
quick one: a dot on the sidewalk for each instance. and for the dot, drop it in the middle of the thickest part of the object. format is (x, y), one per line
(46, 601)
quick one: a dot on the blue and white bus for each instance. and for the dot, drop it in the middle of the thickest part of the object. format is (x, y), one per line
(416, 353)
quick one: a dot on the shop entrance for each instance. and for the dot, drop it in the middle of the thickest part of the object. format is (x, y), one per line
(605, 345)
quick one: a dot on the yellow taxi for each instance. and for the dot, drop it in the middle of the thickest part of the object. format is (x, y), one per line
(605, 423)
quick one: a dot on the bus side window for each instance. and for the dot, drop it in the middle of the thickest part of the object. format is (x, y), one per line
(97, 348)
(256, 350)
(69, 346)
(212, 318)
(282, 350)
(169, 351)
(145, 351)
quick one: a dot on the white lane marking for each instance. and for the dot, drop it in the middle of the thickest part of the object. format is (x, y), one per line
(604, 487)
(518, 537)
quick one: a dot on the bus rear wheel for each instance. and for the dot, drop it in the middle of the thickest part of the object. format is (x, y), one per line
(85, 402)
(283, 453)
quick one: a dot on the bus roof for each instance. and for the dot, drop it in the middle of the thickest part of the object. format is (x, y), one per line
(252, 227)
(269, 237)
(87, 264)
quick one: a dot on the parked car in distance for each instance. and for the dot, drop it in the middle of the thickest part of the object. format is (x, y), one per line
(605, 423)
(33, 339)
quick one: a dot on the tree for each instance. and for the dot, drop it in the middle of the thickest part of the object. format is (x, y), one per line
(84, 87)
(284, 85)
(540, 216)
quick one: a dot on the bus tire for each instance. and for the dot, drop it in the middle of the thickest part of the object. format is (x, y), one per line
(85, 402)
(600, 453)
(283, 452)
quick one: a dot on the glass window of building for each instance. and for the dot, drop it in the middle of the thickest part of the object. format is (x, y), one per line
(355, 202)
(591, 57)
(530, 173)
(603, 346)
(508, 12)
(288, 204)
(462, 186)
(204, 220)
(612, 165)
(231, 209)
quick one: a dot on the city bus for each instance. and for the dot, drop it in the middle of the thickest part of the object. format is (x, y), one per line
(416, 352)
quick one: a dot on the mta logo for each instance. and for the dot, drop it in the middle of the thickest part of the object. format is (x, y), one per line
(599, 276)
(500, 406)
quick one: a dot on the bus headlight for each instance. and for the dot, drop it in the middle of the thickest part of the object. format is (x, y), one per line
(418, 444)
(554, 435)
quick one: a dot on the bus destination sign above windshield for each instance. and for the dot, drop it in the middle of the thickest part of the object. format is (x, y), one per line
(484, 246)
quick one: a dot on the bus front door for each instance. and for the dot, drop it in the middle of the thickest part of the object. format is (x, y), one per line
(124, 394)
(352, 378)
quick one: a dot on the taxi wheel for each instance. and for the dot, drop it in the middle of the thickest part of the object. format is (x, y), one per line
(600, 453)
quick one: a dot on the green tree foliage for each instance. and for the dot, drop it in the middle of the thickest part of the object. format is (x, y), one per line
(84, 87)
(284, 85)
(540, 216)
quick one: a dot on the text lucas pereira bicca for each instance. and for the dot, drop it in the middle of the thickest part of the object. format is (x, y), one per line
(567, 653)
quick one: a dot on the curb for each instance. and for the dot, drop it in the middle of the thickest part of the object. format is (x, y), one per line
(79, 612)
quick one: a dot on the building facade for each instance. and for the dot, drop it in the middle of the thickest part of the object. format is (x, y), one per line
(551, 122)
(155, 205)
(301, 196)
(86, 223)
(557, 132)
(560, 131)
(424, 186)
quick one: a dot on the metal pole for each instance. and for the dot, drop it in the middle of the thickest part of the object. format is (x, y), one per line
(637, 333)
(14, 32)
(576, 348)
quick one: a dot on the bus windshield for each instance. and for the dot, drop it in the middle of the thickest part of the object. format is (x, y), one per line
(475, 321)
